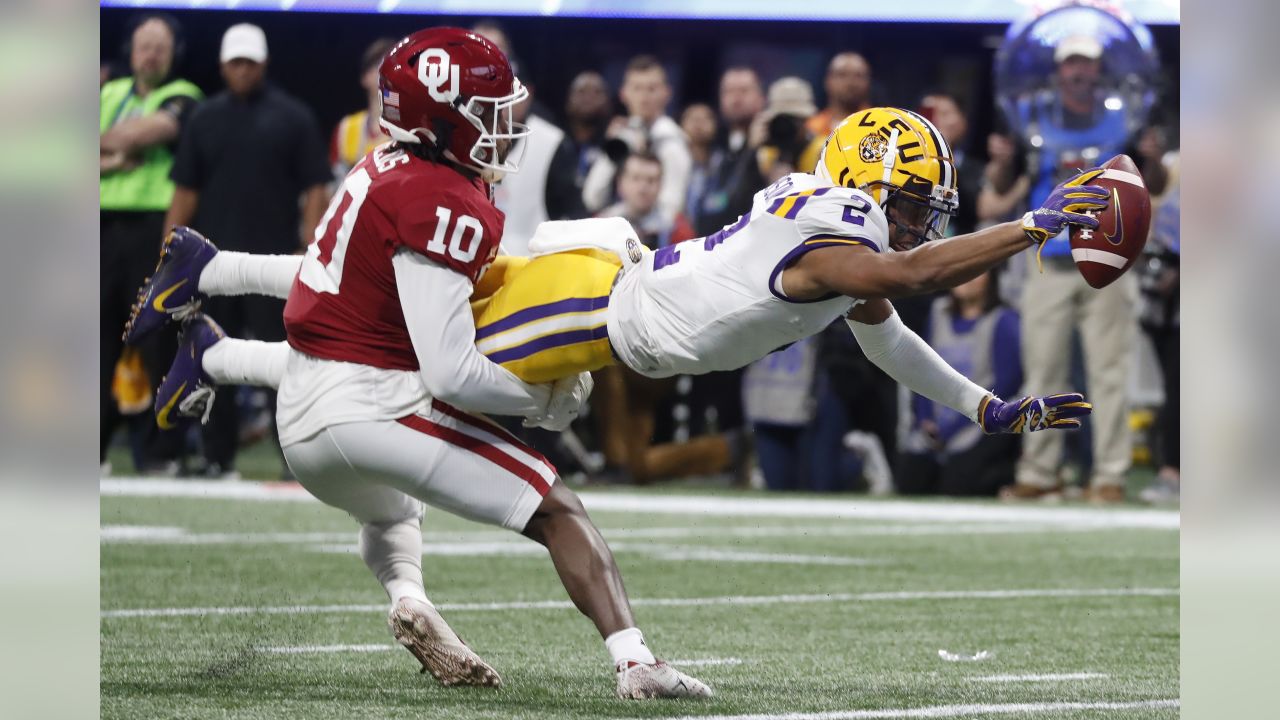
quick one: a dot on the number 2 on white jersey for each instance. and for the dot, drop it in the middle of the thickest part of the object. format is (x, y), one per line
(322, 265)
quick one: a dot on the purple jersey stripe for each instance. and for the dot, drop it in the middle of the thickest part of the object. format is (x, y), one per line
(547, 342)
(776, 204)
(818, 241)
(538, 312)
(796, 206)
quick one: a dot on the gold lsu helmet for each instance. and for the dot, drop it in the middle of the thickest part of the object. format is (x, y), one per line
(901, 160)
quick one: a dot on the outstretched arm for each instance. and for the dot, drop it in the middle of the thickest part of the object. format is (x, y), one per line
(909, 360)
(861, 272)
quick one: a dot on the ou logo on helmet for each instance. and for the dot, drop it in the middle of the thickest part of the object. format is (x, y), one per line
(438, 74)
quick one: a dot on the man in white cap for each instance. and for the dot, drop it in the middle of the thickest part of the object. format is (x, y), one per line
(249, 155)
(780, 131)
(244, 59)
(1078, 58)
(1073, 127)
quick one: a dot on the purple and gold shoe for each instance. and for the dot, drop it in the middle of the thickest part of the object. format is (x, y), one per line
(187, 391)
(173, 290)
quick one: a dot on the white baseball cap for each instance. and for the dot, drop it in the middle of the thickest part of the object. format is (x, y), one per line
(790, 96)
(244, 41)
(1082, 45)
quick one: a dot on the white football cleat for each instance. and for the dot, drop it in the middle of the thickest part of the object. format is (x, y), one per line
(640, 681)
(422, 631)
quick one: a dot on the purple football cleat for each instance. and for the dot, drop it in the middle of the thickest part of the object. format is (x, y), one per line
(173, 290)
(187, 392)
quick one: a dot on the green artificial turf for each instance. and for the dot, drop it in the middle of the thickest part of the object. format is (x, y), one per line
(803, 655)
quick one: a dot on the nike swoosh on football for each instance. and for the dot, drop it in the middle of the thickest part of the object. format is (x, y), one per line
(162, 417)
(158, 303)
(1116, 237)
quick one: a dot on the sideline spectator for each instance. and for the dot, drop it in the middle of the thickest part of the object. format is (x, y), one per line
(799, 426)
(1075, 129)
(781, 132)
(544, 188)
(945, 451)
(848, 87)
(359, 132)
(140, 118)
(587, 110)
(645, 94)
(248, 157)
(729, 189)
(698, 121)
(1161, 320)
(778, 400)
(945, 111)
(639, 187)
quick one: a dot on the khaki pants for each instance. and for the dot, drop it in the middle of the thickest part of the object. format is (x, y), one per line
(1054, 304)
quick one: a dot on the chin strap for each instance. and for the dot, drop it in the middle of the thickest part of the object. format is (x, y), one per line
(890, 156)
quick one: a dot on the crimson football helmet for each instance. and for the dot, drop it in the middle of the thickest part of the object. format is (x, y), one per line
(455, 90)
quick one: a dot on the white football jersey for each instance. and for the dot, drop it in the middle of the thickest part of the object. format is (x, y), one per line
(716, 303)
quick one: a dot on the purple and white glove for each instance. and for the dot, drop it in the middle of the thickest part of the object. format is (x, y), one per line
(1051, 412)
(1066, 205)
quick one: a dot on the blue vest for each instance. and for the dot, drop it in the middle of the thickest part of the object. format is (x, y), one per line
(1063, 151)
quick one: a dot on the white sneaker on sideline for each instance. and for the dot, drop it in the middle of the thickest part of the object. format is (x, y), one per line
(875, 464)
(422, 631)
(640, 681)
(1162, 492)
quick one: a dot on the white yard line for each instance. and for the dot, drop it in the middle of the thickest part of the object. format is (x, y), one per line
(329, 649)
(662, 602)
(514, 548)
(824, 531)
(316, 649)
(524, 548)
(141, 534)
(681, 554)
(723, 506)
(167, 535)
(706, 662)
(1051, 677)
(950, 711)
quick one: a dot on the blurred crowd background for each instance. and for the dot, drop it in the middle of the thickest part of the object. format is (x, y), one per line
(239, 124)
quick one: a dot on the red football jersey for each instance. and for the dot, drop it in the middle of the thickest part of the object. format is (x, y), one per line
(344, 304)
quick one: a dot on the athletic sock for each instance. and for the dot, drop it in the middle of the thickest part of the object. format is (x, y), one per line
(393, 553)
(629, 645)
(232, 361)
(237, 273)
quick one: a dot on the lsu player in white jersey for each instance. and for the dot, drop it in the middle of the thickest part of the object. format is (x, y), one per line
(867, 226)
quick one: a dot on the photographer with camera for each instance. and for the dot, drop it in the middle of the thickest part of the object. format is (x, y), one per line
(647, 128)
(763, 143)
(780, 133)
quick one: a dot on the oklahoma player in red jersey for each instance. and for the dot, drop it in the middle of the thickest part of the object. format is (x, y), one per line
(381, 373)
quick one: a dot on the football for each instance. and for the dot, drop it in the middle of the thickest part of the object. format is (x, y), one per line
(1105, 253)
